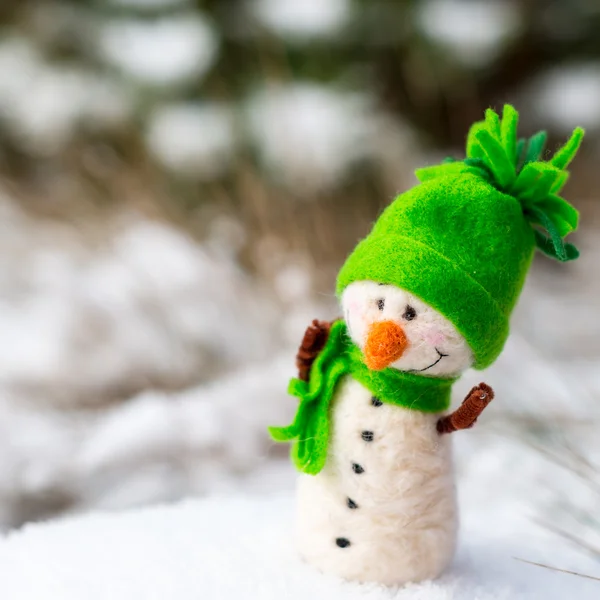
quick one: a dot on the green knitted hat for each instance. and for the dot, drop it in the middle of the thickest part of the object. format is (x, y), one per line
(463, 239)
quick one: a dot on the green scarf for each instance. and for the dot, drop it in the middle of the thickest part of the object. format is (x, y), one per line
(340, 356)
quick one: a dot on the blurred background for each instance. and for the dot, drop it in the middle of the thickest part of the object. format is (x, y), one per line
(180, 181)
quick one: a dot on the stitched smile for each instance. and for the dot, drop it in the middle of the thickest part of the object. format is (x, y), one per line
(440, 356)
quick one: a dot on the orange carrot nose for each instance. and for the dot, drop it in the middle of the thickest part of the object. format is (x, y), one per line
(386, 343)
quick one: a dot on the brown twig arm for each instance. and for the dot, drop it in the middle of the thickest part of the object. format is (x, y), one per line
(314, 340)
(466, 414)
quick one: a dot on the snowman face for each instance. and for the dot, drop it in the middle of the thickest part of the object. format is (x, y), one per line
(396, 329)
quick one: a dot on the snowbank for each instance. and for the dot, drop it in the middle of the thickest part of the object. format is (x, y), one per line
(234, 548)
(129, 367)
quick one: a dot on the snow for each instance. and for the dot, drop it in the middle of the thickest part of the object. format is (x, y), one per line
(110, 398)
(473, 31)
(141, 366)
(156, 446)
(196, 140)
(195, 433)
(138, 308)
(309, 134)
(98, 339)
(227, 547)
(210, 439)
(301, 19)
(164, 52)
(43, 104)
(567, 96)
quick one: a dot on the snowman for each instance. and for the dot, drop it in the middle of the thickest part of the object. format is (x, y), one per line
(425, 296)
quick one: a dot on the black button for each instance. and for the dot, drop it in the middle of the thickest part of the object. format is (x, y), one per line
(357, 468)
(342, 542)
(367, 436)
(376, 401)
(351, 503)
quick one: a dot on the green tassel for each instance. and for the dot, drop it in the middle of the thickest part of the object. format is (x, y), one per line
(536, 180)
(565, 216)
(492, 121)
(516, 167)
(540, 218)
(547, 247)
(482, 167)
(520, 155)
(560, 182)
(565, 155)
(495, 157)
(535, 147)
(508, 132)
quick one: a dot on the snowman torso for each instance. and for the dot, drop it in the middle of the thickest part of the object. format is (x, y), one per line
(383, 507)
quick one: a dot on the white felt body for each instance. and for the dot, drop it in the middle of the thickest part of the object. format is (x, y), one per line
(405, 524)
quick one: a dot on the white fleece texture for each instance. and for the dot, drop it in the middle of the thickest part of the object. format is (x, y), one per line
(240, 548)
(427, 333)
(405, 524)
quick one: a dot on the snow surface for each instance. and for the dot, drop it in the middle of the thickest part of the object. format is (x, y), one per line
(230, 548)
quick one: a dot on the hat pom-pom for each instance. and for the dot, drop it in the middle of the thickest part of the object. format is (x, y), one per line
(516, 167)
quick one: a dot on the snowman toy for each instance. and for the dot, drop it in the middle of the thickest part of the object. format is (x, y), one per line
(426, 295)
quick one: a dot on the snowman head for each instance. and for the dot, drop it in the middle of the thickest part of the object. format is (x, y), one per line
(456, 249)
(394, 328)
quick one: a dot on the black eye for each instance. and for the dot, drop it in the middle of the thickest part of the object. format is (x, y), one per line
(410, 313)
(380, 303)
